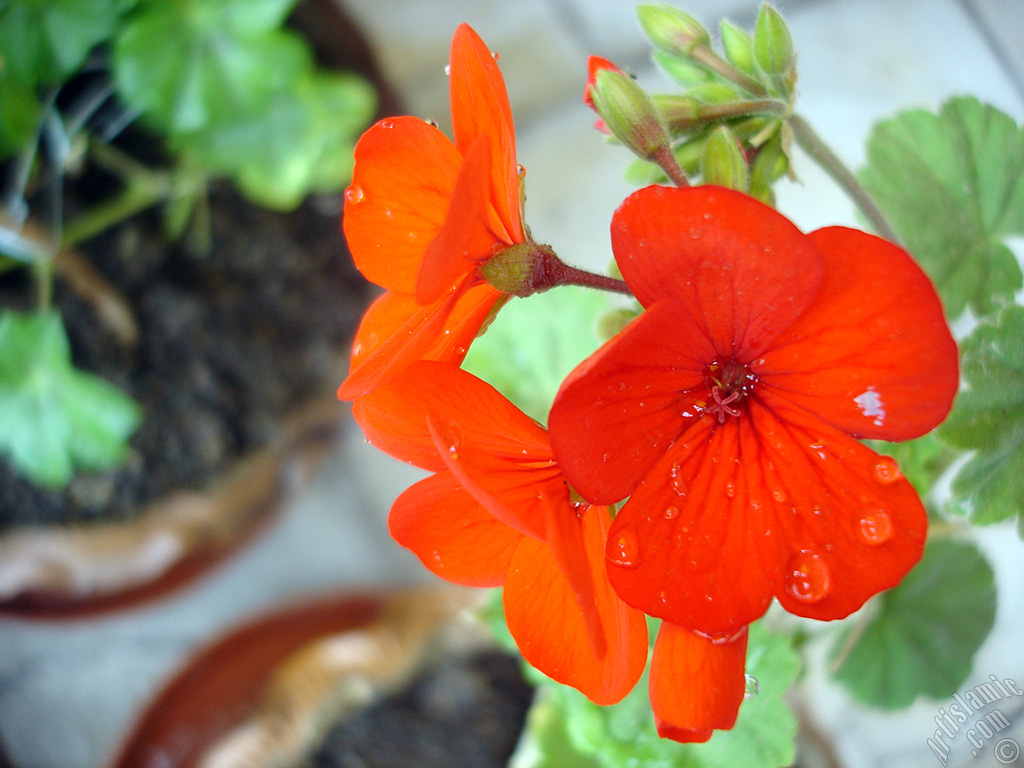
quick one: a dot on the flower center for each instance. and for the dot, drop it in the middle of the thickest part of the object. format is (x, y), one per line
(730, 382)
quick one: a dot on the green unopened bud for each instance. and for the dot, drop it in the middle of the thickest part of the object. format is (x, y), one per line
(670, 29)
(629, 113)
(773, 45)
(738, 47)
(683, 71)
(522, 269)
(722, 162)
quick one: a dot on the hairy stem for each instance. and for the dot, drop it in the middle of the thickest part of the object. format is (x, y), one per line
(812, 144)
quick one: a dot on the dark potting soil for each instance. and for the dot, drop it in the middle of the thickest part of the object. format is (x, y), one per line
(233, 337)
(462, 712)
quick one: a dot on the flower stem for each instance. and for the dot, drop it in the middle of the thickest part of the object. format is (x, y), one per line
(567, 275)
(668, 163)
(812, 144)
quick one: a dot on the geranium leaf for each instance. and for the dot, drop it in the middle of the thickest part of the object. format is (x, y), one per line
(988, 417)
(53, 417)
(952, 185)
(925, 632)
(624, 734)
(534, 343)
(42, 42)
(302, 142)
(187, 64)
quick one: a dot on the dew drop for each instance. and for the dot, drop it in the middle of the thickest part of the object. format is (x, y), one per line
(808, 578)
(354, 194)
(887, 471)
(387, 123)
(451, 437)
(624, 549)
(671, 513)
(675, 475)
(730, 489)
(750, 687)
(875, 526)
(779, 495)
(447, 70)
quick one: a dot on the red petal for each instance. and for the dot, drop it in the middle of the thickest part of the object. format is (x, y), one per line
(696, 685)
(515, 487)
(872, 354)
(848, 524)
(480, 108)
(774, 501)
(405, 171)
(465, 240)
(594, 65)
(473, 417)
(396, 331)
(547, 622)
(743, 270)
(617, 412)
(689, 545)
(451, 533)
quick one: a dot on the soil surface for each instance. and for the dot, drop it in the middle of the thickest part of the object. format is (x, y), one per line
(460, 713)
(232, 339)
(235, 333)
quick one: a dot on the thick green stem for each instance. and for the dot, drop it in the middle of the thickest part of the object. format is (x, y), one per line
(812, 144)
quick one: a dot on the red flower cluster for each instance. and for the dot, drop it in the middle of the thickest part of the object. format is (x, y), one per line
(726, 415)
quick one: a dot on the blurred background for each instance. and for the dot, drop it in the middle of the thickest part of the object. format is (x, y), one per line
(69, 691)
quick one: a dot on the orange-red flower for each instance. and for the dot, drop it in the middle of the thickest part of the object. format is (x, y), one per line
(423, 213)
(498, 511)
(727, 412)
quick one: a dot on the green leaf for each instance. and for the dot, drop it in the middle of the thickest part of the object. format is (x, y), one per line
(44, 41)
(988, 417)
(952, 185)
(925, 632)
(535, 342)
(187, 64)
(19, 114)
(301, 143)
(570, 730)
(54, 418)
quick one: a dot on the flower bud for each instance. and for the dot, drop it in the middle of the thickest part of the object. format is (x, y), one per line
(629, 114)
(722, 162)
(670, 29)
(522, 269)
(738, 47)
(773, 46)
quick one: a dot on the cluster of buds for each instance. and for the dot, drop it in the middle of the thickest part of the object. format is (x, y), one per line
(729, 126)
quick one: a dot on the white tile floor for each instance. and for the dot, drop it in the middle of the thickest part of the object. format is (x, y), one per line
(68, 691)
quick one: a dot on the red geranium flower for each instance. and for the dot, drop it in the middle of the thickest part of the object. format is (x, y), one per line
(423, 213)
(498, 511)
(728, 411)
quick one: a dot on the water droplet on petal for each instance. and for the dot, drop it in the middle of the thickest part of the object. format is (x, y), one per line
(779, 495)
(887, 471)
(875, 526)
(671, 513)
(447, 70)
(730, 489)
(354, 194)
(387, 123)
(675, 474)
(451, 437)
(808, 578)
(750, 687)
(624, 549)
